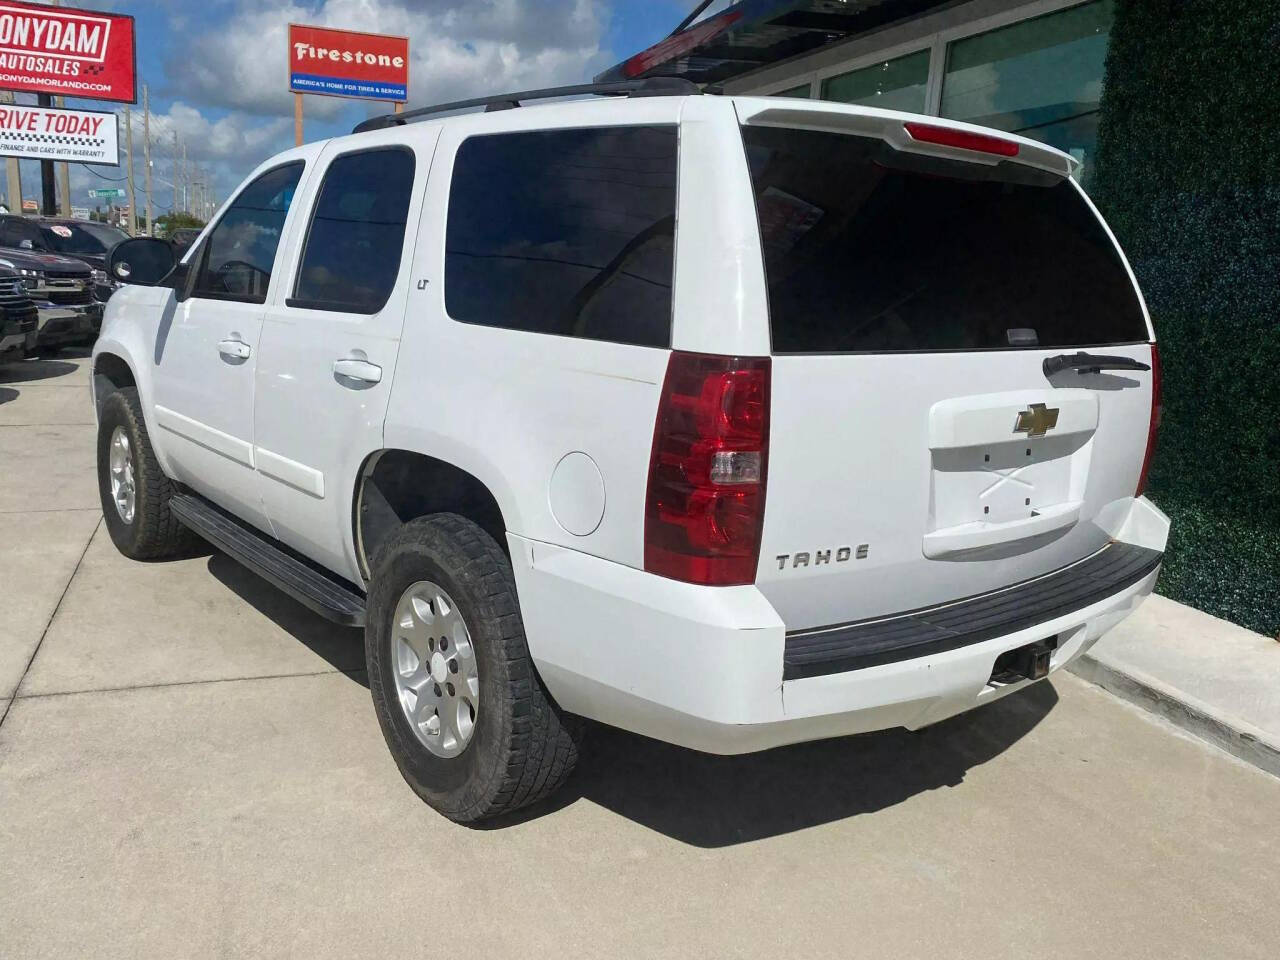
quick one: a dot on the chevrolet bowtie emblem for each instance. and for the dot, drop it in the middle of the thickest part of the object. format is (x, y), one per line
(1036, 420)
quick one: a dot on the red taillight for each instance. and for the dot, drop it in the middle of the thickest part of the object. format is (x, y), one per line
(947, 137)
(705, 506)
(1154, 427)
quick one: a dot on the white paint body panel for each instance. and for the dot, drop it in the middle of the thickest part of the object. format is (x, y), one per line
(911, 455)
(313, 428)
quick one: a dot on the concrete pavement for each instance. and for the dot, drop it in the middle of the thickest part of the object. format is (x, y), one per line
(1214, 679)
(191, 768)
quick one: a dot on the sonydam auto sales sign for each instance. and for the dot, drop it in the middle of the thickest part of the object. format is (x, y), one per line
(343, 63)
(75, 53)
(46, 133)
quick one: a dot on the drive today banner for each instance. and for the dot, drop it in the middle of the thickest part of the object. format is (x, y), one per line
(47, 133)
(344, 63)
(75, 53)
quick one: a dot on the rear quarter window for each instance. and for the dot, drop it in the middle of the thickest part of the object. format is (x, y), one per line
(870, 250)
(566, 232)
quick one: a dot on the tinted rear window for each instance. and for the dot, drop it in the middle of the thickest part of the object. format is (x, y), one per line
(568, 232)
(871, 250)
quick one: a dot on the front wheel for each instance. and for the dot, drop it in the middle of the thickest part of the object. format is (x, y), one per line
(134, 490)
(462, 709)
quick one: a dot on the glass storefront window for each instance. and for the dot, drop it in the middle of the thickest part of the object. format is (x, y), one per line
(897, 84)
(801, 91)
(1041, 78)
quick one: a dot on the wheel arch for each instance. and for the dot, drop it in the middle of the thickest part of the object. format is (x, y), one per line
(396, 485)
(111, 372)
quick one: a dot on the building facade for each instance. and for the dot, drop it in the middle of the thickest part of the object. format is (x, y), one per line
(1030, 68)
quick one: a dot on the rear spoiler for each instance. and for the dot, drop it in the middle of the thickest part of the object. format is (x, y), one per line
(907, 132)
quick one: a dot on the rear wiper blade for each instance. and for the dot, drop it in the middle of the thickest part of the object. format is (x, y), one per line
(1084, 363)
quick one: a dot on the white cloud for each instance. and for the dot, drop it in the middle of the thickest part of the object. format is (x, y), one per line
(231, 62)
(457, 48)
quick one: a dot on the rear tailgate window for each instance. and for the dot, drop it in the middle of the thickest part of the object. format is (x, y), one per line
(868, 250)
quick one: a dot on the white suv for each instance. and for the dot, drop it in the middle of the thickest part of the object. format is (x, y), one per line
(734, 422)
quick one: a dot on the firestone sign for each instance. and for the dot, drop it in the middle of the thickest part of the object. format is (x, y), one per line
(76, 53)
(344, 63)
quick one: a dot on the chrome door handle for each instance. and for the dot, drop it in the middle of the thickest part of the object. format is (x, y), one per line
(362, 370)
(234, 349)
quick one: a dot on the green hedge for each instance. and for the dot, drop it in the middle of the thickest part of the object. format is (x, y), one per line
(1188, 175)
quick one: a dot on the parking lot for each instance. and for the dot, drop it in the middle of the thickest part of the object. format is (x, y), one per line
(190, 767)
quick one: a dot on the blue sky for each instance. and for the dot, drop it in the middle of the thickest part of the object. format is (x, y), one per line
(217, 70)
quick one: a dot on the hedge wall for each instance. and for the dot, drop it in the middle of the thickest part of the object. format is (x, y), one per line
(1188, 175)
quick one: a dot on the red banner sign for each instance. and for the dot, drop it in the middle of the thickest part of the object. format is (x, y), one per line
(74, 53)
(344, 63)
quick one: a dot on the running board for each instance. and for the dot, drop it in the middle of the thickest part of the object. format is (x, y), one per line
(332, 598)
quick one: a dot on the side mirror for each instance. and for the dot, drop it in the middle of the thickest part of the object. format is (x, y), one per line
(141, 260)
(26, 245)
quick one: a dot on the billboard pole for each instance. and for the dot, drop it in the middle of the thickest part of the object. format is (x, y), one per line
(297, 119)
(64, 177)
(146, 158)
(48, 195)
(13, 172)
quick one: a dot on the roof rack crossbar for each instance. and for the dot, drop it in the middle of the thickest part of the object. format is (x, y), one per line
(648, 87)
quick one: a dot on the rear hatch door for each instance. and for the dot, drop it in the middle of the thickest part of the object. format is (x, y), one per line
(919, 451)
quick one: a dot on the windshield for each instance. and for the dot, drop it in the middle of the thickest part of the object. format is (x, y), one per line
(865, 254)
(81, 238)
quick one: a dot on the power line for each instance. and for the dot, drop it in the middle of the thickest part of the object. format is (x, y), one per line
(102, 175)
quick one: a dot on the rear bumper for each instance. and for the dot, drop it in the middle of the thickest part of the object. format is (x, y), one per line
(704, 667)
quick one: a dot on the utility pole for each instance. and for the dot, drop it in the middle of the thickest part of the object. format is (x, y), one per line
(146, 156)
(63, 176)
(128, 139)
(174, 208)
(13, 172)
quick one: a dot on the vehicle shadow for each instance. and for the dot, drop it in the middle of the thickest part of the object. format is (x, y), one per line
(711, 801)
(29, 371)
(7, 394)
(341, 647)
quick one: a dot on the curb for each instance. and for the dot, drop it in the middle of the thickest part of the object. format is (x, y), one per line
(1240, 739)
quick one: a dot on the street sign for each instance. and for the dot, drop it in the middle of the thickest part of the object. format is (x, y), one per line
(46, 133)
(344, 63)
(76, 53)
(105, 193)
(80, 213)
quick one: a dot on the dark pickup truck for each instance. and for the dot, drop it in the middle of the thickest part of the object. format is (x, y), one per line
(62, 288)
(18, 317)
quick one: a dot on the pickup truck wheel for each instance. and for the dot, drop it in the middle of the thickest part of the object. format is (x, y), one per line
(462, 709)
(134, 490)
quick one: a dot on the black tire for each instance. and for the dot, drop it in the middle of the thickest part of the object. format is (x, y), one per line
(154, 533)
(523, 747)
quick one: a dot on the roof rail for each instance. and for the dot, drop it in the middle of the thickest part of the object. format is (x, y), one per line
(648, 87)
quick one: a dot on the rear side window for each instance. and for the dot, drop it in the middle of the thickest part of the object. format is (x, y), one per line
(871, 250)
(567, 232)
(239, 254)
(352, 254)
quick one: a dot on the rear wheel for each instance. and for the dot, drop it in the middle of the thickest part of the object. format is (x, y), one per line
(462, 709)
(134, 490)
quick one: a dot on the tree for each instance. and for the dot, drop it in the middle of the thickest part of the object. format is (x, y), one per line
(169, 222)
